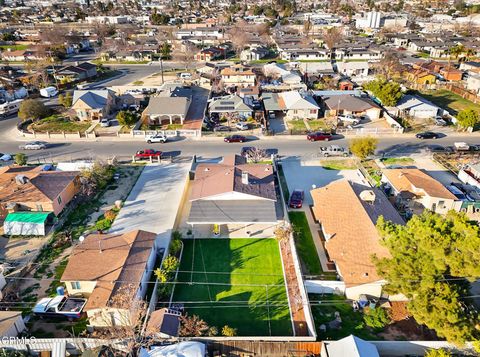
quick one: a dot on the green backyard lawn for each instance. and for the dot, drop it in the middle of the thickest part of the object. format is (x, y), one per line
(449, 100)
(242, 275)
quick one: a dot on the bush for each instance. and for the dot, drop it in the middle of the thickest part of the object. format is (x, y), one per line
(127, 118)
(468, 118)
(20, 159)
(170, 264)
(103, 225)
(229, 331)
(376, 318)
(176, 243)
(32, 109)
(110, 215)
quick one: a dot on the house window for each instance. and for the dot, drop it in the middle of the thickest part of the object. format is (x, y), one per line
(441, 204)
(59, 200)
(313, 111)
(75, 285)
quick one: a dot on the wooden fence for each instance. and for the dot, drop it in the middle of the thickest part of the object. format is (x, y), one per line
(263, 348)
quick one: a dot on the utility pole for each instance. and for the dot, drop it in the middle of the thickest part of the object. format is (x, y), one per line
(161, 66)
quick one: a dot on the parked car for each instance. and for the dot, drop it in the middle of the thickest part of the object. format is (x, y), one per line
(348, 118)
(317, 136)
(461, 146)
(427, 135)
(147, 153)
(333, 150)
(440, 121)
(60, 306)
(157, 138)
(235, 139)
(48, 92)
(222, 128)
(296, 199)
(33, 145)
(104, 123)
(5, 157)
(241, 125)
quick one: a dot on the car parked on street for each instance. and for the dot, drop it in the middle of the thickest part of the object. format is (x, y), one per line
(147, 153)
(427, 135)
(5, 157)
(333, 150)
(222, 128)
(34, 145)
(317, 136)
(157, 138)
(296, 199)
(235, 139)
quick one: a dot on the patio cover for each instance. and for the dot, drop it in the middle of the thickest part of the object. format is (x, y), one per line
(26, 223)
(233, 211)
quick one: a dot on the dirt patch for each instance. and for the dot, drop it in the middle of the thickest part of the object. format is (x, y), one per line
(21, 250)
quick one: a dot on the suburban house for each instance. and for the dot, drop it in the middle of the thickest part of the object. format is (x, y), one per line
(233, 198)
(254, 53)
(348, 214)
(421, 76)
(76, 73)
(11, 323)
(415, 191)
(210, 54)
(168, 107)
(473, 83)
(350, 346)
(470, 66)
(417, 107)
(293, 104)
(238, 76)
(93, 104)
(32, 189)
(230, 104)
(350, 104)
(99, 269)
(356, 69)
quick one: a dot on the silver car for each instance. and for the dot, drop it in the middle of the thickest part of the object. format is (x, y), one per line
(34, 145)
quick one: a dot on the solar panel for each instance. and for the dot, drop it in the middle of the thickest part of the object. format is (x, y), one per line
(227, 103)
(225, 108)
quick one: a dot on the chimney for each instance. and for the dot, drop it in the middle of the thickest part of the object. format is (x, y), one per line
(21, 179)
(245, 177)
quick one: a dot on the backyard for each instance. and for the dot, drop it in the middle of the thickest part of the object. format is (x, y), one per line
(58, 123)
(235, 282)
(449, 100)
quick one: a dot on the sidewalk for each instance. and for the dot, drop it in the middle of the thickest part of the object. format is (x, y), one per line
(314, 228)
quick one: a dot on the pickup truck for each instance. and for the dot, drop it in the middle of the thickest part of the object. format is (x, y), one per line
(60, 306)
(333, 150)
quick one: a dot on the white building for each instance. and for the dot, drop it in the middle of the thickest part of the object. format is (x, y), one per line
(371, 21)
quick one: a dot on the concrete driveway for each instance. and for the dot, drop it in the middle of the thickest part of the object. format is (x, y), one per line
(153, 203)
(303, 173)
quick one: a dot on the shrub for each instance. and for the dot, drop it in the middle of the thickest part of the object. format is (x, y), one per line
(468, 118)
(110, 215)
(170, 264)
(376, 318)
(363, 147)
(176, 243)
(229, 331)
(20, 159)
(103, 225)
(32, 109)
(127, 118)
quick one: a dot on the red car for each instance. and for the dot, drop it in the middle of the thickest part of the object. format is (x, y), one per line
(319, 136)
(296, 199)
(235, 139)
(147, 153)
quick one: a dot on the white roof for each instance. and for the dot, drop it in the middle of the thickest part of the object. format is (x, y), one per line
(294, 100)
(274, 69)
(291, 78)
(411, 101)
(73, 166)
(352, 346)
(182, 349)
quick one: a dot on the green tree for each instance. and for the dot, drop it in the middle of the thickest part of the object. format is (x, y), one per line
(20, 159)
(166, 50)
(438, 353)
(376, 318)
(430, 255)
(67, 100)
(126, 117)
(32, 109)
(388, 92)
(468, 118)
(229, 331)
(363, 147)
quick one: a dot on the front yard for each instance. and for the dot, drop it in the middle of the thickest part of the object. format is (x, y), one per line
(57, 124)
(449, 100)
(235, 282)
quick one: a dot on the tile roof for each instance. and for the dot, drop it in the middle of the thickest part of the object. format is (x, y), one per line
(213, 179)
(417, 182)
(350, 224)
(107, 259)
(349, 102)
(40, 186)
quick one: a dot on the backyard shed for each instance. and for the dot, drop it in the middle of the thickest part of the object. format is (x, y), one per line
(27, 223)
(11, 323)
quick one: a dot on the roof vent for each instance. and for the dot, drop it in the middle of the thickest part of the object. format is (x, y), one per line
(21, 179)
(206, 169)
(245, 178)
(267, 169)
(367, 196)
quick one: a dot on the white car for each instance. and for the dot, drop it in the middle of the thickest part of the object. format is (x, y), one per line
(104, 123)
(241, 125)
(348, 118)
(5, 157)
(157, 138)
(34, 145)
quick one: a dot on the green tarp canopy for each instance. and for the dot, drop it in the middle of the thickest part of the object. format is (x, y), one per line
(27, 217)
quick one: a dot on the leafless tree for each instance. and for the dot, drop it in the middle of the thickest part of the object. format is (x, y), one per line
(53, 35)
(193, 326)
(390, 66)
(239, 37)
(332, 36)
(282, 233)
(256, 155)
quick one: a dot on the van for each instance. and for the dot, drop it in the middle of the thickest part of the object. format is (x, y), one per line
(48, 92)
(10, 108)
(185, 75)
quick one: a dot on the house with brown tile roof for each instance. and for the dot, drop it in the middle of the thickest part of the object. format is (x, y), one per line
(348, 213)
(414, 191)
(28, 188)
(105, 266)
(238, 76)
(235, 195)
